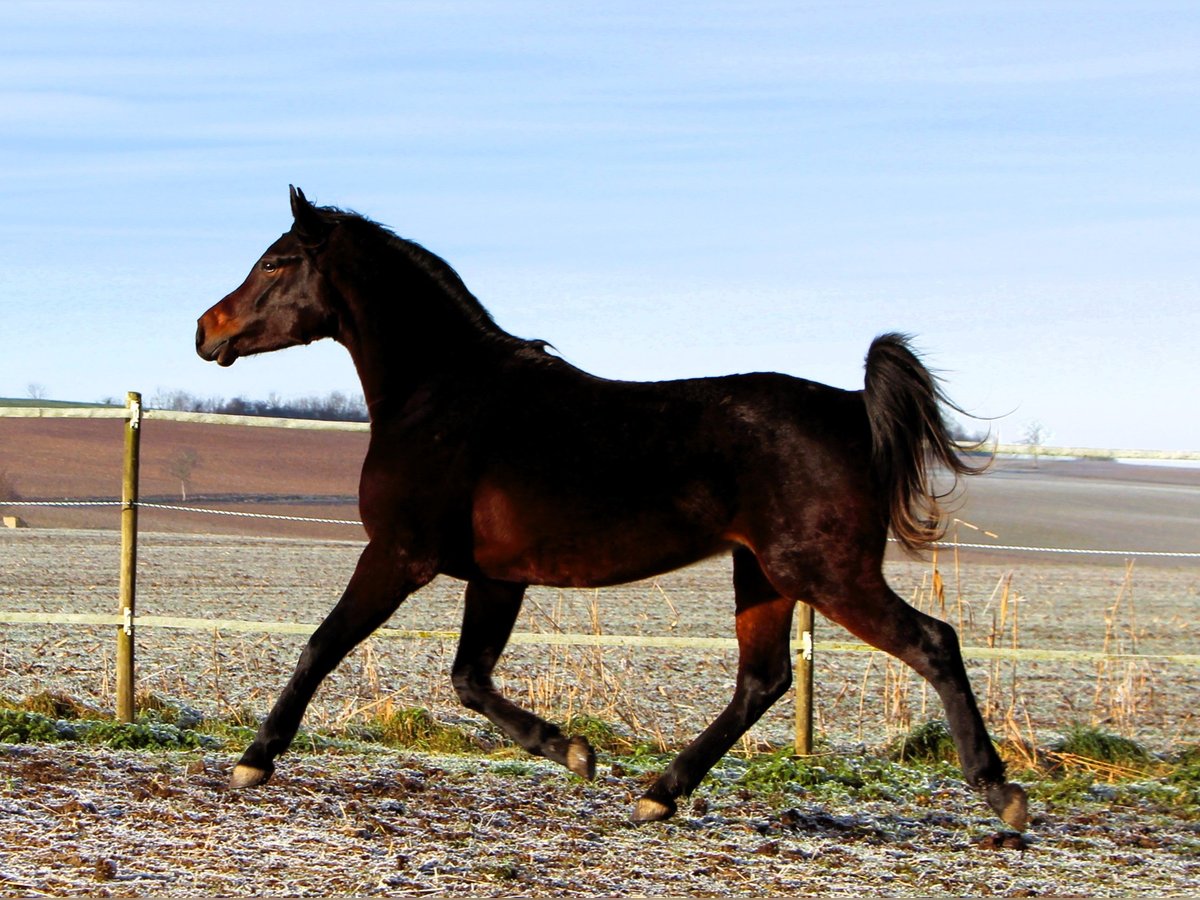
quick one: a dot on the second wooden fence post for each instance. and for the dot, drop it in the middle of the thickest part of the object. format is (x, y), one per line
(804, 680)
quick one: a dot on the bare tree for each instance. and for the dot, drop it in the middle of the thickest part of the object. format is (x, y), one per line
(181, 465)
(36, 391)
(1036, 435)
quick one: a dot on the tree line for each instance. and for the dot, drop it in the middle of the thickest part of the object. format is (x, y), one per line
(334, 407)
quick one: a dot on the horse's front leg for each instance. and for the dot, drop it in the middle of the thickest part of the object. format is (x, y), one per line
(381, 581)
(489, 613)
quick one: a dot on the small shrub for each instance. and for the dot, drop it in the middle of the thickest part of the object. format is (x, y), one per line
(928, 743)
(1187, 763)
(415, 727)
(1102, 746)
(777, 772)
(60, 706)
(600, 734)
(1186, 775)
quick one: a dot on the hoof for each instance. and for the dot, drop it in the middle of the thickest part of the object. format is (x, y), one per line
(581, 758)
(650, 810)
(245, 776)
(1010, 803)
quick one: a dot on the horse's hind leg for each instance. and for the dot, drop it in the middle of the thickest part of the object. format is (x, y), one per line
(930, 646)
(490, 611)
(764, 625)
(378, 586)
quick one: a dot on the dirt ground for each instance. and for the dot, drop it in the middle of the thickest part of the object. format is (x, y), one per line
(96, 823)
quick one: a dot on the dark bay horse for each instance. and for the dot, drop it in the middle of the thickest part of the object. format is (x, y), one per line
(499, 464)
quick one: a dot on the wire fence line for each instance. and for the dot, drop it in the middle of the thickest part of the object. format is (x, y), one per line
(948, 545)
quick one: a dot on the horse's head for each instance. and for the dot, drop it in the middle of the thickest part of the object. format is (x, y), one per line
(284, 301)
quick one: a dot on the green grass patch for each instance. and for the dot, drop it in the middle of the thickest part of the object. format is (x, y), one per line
(18, 726)
(24, 727)
(1087, 766)
(781, 775)
(1187, 766)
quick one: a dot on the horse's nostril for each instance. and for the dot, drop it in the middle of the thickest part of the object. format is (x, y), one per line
(199, 335)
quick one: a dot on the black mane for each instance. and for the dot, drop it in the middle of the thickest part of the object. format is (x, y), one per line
(440, 272)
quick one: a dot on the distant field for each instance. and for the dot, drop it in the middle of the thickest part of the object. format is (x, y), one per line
(308, 473)
(1090, 504)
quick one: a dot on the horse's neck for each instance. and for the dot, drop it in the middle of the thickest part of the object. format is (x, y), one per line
(399, 356)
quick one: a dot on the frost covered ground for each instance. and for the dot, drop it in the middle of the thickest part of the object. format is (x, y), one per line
(134, 824)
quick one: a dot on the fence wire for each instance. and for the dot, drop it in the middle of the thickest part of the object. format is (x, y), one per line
(946, 545)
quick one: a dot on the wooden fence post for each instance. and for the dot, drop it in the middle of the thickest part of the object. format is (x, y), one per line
(128, 584)
(804, 681)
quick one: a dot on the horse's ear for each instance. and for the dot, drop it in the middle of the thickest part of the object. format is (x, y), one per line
(309, 225)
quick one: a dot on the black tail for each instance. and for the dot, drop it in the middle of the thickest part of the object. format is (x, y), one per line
(909, 438)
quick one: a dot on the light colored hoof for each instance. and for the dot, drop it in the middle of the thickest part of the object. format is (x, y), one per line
(581, 759)
(247, 776)
(1011, 804)
(648, 810)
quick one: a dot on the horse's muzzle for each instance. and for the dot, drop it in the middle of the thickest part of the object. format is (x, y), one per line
(219, 350)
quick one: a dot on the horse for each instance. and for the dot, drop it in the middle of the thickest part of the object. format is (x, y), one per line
(496, 462)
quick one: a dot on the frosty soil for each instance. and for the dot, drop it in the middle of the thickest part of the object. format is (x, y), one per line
(125, 824)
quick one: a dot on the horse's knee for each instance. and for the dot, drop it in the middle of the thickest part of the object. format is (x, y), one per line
(942, 635)
(762, 689)
(938, 653)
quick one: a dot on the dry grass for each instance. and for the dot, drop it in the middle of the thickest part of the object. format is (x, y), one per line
(1125, 693)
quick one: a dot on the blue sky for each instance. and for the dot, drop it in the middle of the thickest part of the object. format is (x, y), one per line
(660, 190)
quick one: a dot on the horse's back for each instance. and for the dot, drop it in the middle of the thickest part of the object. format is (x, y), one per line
(725, 422)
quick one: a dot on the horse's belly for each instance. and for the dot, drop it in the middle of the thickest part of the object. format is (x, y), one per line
(576, 543)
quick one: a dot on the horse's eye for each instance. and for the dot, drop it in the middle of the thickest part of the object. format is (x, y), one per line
(269, 266)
